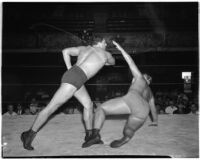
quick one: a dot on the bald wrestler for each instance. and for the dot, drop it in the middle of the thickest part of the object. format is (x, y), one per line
(90, 59)
(138, 103)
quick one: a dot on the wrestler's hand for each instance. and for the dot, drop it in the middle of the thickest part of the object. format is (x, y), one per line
(153, 124)
(117, 45)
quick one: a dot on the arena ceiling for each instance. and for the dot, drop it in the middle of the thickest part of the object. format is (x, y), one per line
(145, 16)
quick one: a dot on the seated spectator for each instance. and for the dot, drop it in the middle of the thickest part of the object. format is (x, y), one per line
(19, 109)
(182, 96)
(10, 111)
(27, 111)
(34, 107)
(194, 109)
(162, 111)
(181, 108)
(187, 108)
(171, 108)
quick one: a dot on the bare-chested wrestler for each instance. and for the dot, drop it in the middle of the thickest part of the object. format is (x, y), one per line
(138, 103)
(90, 59)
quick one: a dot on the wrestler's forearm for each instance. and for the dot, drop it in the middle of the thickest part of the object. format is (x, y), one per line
(131, 63)
(67, 59)
(154, 113)
(153, 110)
(134, 69)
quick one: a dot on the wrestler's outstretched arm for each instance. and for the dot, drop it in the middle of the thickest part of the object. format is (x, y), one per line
(153, 112)
(134, 69)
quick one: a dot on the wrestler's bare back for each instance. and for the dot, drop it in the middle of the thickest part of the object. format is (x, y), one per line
(91, 60)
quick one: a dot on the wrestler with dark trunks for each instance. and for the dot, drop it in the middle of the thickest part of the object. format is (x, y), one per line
(90, 59)
(138, 103)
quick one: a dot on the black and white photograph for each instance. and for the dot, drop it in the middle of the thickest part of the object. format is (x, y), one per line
(99, 79)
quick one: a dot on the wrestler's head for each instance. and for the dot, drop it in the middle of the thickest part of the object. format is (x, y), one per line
(147, 78)
(99, 42)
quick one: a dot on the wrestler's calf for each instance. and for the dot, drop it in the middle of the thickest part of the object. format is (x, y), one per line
(88, 119)
(132, 125)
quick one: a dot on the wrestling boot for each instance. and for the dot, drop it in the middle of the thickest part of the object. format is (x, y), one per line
(120, 142)
(88, 135)
(27, 138)
(95, 139)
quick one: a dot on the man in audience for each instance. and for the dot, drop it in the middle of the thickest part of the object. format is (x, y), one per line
(34, 108)
(27, 111)
(194, 109)
(10, 111)
(171, 108)
(19, 109)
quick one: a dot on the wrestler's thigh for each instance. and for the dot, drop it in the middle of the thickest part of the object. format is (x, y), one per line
(64, 92)
(115, 106)
(83, 96)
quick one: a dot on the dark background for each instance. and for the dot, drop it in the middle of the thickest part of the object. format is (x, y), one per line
(164, 36)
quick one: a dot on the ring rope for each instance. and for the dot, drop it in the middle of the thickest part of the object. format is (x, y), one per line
(91, 84)
(119, 66)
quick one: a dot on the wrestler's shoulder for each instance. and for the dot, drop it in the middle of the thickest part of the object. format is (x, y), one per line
(83, 47)
(140, 79)
(88, 48)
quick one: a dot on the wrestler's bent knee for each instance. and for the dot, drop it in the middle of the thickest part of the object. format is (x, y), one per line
(100, 111)
(133, 124)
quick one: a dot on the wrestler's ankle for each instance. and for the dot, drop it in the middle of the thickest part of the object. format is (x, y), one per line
(127, 138)
(95, 133)
(32, 131)
(88, 134)
(89, 130)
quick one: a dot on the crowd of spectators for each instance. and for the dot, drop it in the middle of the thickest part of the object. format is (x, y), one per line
(176, 102)
(167, 102)
(30, 104)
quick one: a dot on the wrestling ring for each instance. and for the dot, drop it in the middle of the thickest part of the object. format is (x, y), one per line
(176, 136)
